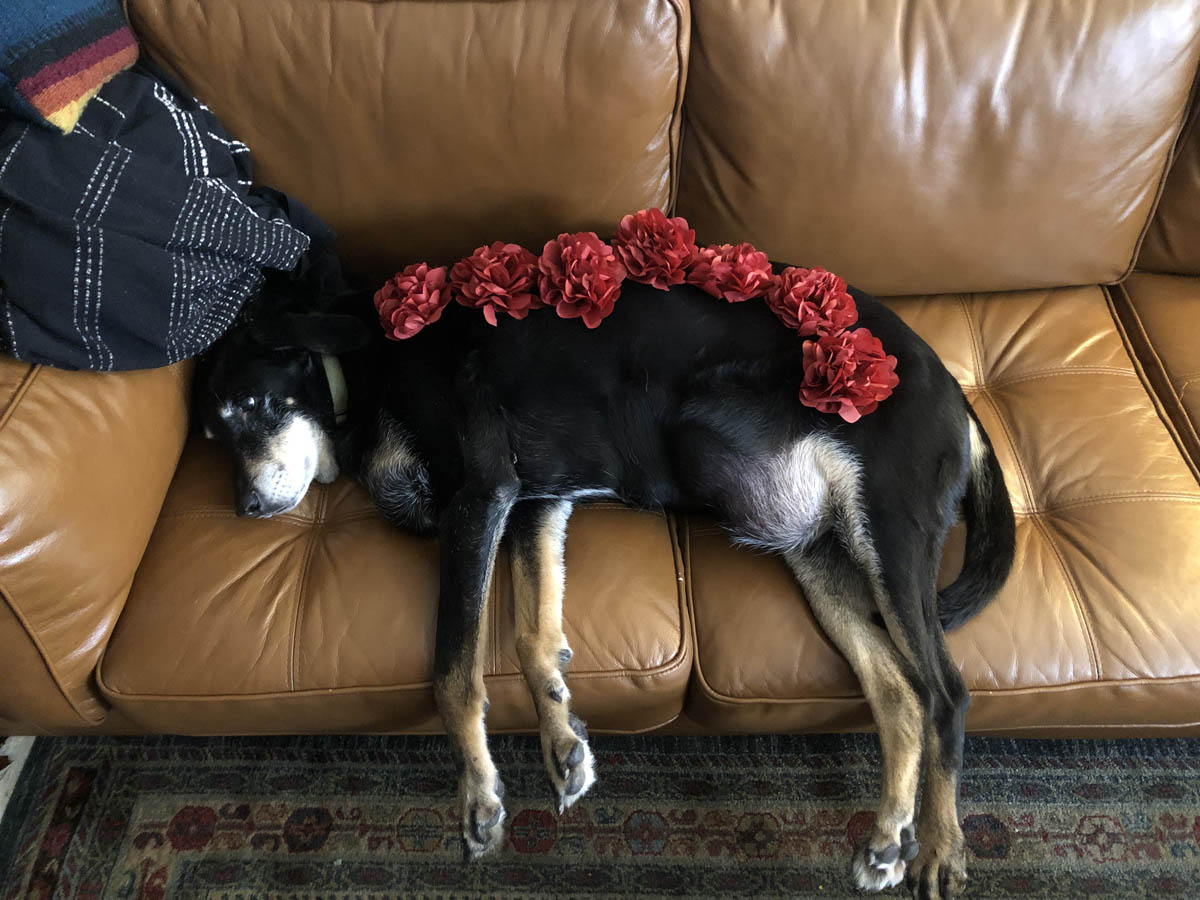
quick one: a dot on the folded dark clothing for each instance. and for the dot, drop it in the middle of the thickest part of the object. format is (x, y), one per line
(134, 241)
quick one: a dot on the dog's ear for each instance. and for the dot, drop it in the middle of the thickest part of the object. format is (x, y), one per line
(319, 332)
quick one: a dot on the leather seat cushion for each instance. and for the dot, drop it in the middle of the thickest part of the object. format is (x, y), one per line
(323, 619)
(1099, 624)
(1160, 315)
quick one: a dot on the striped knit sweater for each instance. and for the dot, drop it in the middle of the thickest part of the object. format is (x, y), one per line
(55, 55)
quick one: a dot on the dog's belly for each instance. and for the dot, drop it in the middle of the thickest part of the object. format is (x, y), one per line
(784, 500)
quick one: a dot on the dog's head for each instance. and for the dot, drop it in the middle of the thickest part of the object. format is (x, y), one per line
(263, 392)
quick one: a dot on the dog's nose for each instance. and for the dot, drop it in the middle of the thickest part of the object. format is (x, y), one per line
(251, 504)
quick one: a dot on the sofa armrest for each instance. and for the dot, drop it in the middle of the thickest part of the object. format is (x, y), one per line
(85, 462)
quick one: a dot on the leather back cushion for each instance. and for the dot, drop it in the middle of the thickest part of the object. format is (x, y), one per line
(422, 130)
(935, 145)
(1173, 241)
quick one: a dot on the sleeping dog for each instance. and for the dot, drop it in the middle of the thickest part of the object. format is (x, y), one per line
(475, 433)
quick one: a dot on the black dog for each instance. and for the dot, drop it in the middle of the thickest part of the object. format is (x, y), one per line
(678, 401)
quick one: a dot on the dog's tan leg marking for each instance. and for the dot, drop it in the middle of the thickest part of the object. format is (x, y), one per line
(538, 532)
(840, 598)
(940, 870)
(462, 702)
(469, 535)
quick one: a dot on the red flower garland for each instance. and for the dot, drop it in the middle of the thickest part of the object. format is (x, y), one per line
(580, 277)
(500, 277)
(845, 371)
(655, 250)
(412, 299)
(812, 301)
(736, 273)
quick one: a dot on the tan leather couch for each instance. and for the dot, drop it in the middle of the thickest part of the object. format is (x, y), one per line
(1023, 178)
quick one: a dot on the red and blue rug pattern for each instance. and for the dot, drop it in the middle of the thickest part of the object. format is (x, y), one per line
(373, 817)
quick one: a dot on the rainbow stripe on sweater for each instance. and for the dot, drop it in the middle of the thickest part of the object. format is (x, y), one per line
(56, 54)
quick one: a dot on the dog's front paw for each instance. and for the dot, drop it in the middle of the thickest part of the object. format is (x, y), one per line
(569, 763)
(482, 814)
(879, 863)
(940, 870)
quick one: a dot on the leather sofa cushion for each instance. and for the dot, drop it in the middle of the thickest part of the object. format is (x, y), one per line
(422, 130)
(924, 146)
(1099, 624)
(323, 619)
(1173, 241)
(1160, 314)
(86, 459)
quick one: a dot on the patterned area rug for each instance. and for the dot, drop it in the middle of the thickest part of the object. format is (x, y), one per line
(335, 818)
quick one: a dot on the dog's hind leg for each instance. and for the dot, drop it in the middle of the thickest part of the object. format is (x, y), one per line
(939, 871)
(841, 595)
(906, 597)
(469, 532)
(536, 532)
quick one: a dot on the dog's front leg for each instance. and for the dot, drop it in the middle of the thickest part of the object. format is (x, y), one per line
(537, 532)
(469, 531)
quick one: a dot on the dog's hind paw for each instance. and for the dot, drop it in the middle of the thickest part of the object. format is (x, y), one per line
(878, 868)
(939, 873)
(570, 764)
(482, 817)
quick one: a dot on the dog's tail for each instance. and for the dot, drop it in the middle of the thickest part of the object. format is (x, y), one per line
(991, 535)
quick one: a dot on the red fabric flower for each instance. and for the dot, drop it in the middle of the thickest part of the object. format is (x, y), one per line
(812, 301)
(735, 272)
(580, 277)
(412, 299)
(502, 276)
(847, 373)
(654, 249)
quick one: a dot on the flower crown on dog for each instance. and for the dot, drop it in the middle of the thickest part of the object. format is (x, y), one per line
(845, 369)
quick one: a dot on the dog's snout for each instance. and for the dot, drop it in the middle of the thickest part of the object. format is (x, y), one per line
(251, 504)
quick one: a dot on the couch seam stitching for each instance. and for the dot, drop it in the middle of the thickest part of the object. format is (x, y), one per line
(987, 397)
(591, 675)
(697, 668)
(1053, 373)
(1069, 687)
(1076, 596)
(31, 633)
(1187, 120)
(977, 372)
(1180, 438)
(685, 623)
(18, 394)
(1102, 499)
(302, 590)
(675, 133)
(229, 514)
